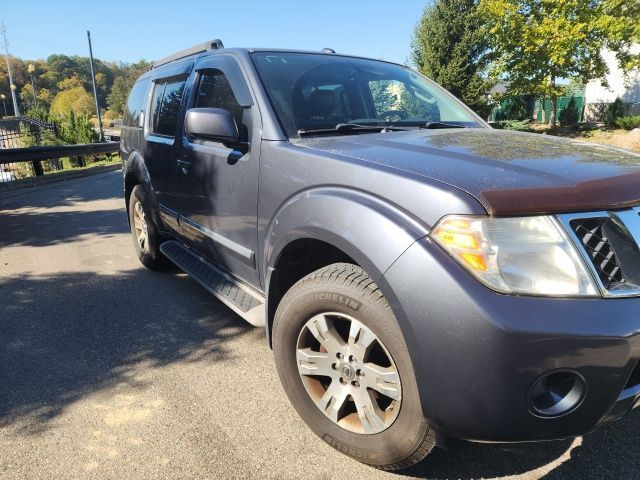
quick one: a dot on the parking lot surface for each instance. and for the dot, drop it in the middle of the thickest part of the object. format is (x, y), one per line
(108, 370)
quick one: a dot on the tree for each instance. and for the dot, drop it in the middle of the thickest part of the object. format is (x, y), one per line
(124, 80)
(536, 42)
(117, 98)
(449, 48)
(75, 100)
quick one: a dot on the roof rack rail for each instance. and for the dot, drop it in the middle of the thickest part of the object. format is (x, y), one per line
(215, 44)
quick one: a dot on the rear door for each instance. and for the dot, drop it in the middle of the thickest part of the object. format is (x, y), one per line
(221, 188)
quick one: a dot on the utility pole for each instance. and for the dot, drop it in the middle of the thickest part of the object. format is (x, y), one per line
(95, 90)
(12, 87)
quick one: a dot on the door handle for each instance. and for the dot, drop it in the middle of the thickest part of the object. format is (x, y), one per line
(183, 163)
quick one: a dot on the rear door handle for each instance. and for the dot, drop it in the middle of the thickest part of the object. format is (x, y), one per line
(183, 163)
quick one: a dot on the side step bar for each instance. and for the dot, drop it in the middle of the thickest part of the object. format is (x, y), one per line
(243, 300)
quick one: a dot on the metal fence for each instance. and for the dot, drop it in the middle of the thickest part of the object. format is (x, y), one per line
(12, 131)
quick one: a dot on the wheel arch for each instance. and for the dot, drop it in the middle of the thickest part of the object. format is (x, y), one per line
(135, 173)
(331, 225)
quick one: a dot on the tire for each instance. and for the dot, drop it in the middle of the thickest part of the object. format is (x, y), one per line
(344, 296)
(143, 226)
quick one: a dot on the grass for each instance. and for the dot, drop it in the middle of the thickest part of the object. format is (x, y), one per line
(616, 137)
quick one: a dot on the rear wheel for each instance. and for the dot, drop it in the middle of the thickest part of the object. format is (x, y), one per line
(146, 238)
(344, 364)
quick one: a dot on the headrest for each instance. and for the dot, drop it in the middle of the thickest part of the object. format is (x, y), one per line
(321, 102)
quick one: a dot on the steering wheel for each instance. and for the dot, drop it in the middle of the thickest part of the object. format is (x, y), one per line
(401, 114)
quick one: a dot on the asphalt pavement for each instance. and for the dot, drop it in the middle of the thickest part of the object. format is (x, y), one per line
(108, 370)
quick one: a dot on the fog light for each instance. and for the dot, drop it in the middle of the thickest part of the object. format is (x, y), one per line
(557, 393)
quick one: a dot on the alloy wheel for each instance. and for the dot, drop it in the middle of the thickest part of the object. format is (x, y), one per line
(348, 373)
(140, 227)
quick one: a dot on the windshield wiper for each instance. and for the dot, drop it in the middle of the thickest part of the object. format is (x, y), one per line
(430, 125)
(350, 127)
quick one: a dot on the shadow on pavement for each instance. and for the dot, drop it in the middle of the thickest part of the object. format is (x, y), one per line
(66, 336)
(35, 229)
(608, 453)
(64, 193)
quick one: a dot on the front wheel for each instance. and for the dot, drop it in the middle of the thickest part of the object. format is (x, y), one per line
(345, 367)
(146, 238)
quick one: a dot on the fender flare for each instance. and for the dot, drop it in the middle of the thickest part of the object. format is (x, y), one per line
(370, 230)
(134, 168)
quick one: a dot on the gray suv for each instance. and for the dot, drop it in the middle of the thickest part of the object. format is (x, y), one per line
(420, 276)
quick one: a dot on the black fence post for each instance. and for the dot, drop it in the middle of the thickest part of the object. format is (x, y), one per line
(37, 168)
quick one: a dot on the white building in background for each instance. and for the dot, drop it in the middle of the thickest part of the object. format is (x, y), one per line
(597, 96)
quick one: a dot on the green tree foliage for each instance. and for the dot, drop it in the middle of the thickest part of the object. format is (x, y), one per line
(612, 112)
(448, 46)
(124, 80)
(536, 42)
(383, 97)
(77, 129)
(75, 100)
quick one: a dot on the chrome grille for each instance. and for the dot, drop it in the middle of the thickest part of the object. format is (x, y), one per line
(609, 243)
(596, 244)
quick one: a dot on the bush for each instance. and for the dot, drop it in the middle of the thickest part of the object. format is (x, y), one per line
(628, 123)
(519, 125)
(39, 112)
(612, 112)
(77, 129)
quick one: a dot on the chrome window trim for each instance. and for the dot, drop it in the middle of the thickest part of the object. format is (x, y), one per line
(629, 219)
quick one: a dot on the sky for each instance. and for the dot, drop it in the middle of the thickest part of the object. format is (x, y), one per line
(131, 30)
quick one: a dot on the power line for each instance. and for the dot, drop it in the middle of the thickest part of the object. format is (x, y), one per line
(13, 47)
(26, 38)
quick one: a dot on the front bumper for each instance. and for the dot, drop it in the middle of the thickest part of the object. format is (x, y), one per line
(477, 353)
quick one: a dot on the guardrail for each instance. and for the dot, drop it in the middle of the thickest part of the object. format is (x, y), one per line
(13, 155)
(34, 156)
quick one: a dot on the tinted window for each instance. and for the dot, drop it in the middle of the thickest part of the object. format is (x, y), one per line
(165, 106)
(135, 105)
(214, 91)
(315, 91)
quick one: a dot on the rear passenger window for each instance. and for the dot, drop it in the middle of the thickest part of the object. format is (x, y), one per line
(135, 105)
(214, 91)
(165, 106)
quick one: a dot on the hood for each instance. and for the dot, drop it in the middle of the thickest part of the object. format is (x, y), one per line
(508, 172)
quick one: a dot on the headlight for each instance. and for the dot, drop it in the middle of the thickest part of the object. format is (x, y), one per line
(525, 255)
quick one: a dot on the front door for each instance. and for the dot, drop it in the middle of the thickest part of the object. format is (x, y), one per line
(220, 200)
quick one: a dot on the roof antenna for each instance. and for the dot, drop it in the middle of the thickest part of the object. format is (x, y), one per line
(328, 50)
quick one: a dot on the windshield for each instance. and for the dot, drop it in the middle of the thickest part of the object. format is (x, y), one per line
(315, 92)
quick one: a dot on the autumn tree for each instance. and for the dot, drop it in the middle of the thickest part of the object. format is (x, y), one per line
(536, 42)
(75, 100)
(124, 80)
(448, 46)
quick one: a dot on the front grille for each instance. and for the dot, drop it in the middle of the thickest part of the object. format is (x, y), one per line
(591, 234)
(634, 380)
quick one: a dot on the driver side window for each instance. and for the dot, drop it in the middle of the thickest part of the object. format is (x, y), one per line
(214, 91)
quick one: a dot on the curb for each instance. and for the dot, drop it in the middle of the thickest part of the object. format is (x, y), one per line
(54, 178)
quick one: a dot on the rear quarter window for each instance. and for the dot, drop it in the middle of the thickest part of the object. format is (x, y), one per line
(135, 104)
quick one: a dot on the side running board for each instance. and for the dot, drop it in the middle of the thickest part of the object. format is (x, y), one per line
(243, 300)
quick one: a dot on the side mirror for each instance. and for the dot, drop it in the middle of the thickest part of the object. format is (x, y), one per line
(214, 124)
